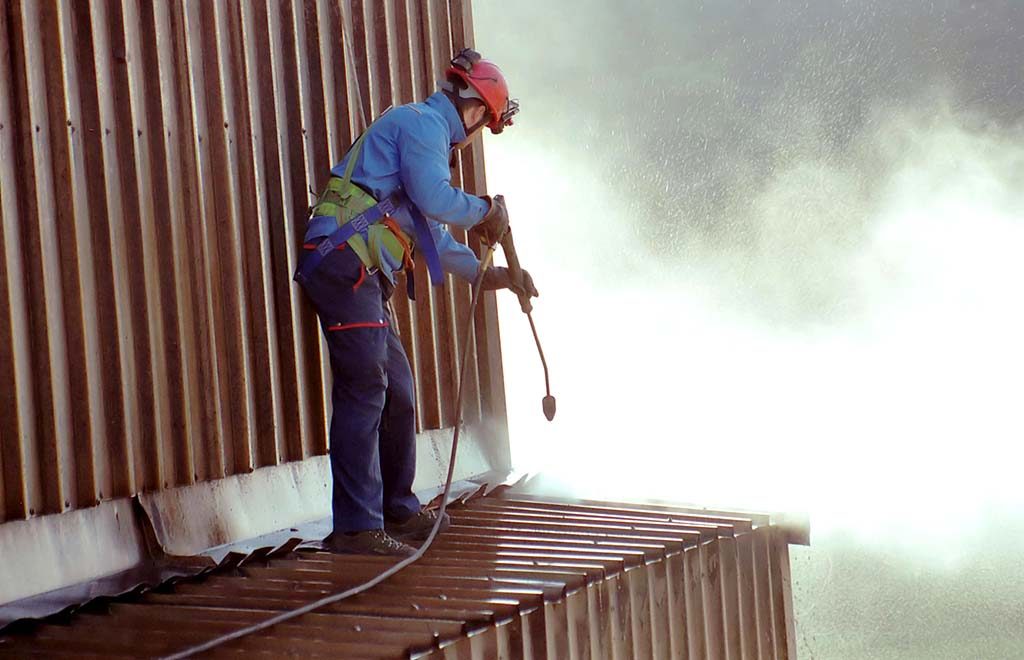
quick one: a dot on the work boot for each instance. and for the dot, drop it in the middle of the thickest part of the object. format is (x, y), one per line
(416, 527)
(370, 542)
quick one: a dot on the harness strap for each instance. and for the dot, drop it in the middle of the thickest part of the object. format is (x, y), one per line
(361, 223)
(407, 260)
(425, 242)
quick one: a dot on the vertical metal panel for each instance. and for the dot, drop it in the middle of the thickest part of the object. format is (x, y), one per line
(763, 595)
(265, 368)
(677, 616)
(99, 295)
(711, 585)
(460, 293)
(445, 328)
(144, 258)
(287, 233)
(782, 596)
(17, 411)
(747, 595)
(179, 218)
(491, 377)
(576, 610)
(196, 55)
(695, 632)
(658, 588)
(92, 473)
(730, 597)
(424, 334)
(400, 32)
(314, 152)
(156, 165)
(48, 480)
(122, 374)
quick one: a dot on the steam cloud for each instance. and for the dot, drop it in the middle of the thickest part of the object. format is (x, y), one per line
(778, 245)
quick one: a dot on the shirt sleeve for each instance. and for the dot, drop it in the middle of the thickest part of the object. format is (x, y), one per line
(456, 258)
(423, 169)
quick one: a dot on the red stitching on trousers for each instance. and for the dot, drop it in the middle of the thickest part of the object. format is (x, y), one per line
(351, 326)
(312, 246)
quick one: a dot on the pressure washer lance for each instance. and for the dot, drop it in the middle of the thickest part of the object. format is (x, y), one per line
(516, 274)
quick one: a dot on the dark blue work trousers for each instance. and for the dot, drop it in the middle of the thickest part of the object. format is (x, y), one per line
(373, 424)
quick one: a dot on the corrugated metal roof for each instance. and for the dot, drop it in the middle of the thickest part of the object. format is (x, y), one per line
(513, 577)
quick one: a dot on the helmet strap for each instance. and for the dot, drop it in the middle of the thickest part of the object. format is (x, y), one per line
(461, 102)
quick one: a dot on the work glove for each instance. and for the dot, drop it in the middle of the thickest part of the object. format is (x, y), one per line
(498, 277)
(494, 224)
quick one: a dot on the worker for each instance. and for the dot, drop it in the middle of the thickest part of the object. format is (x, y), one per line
(389, 196)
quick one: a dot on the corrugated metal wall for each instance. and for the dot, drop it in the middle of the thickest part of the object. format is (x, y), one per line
(155, 165)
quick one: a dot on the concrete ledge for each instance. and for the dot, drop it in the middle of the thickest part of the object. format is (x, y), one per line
(189, 520)
(50, 552)
(63, 550)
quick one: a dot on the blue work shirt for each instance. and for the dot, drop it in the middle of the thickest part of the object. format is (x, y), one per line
(409, 147)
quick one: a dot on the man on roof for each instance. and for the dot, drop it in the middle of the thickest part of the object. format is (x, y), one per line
(392, 193)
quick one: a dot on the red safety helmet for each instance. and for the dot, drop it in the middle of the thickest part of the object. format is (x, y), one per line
(484, 81)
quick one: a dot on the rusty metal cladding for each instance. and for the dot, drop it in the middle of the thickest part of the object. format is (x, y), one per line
(514, 577)
(155, 166)
(747, 596)
(730, 597)
(763, 597)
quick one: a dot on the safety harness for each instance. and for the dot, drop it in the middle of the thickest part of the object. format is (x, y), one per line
(348, 215)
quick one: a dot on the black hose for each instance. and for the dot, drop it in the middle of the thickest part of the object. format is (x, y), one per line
(336, 597)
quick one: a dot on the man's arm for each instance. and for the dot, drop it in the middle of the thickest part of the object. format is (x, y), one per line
(456, 258)
(426, 179)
